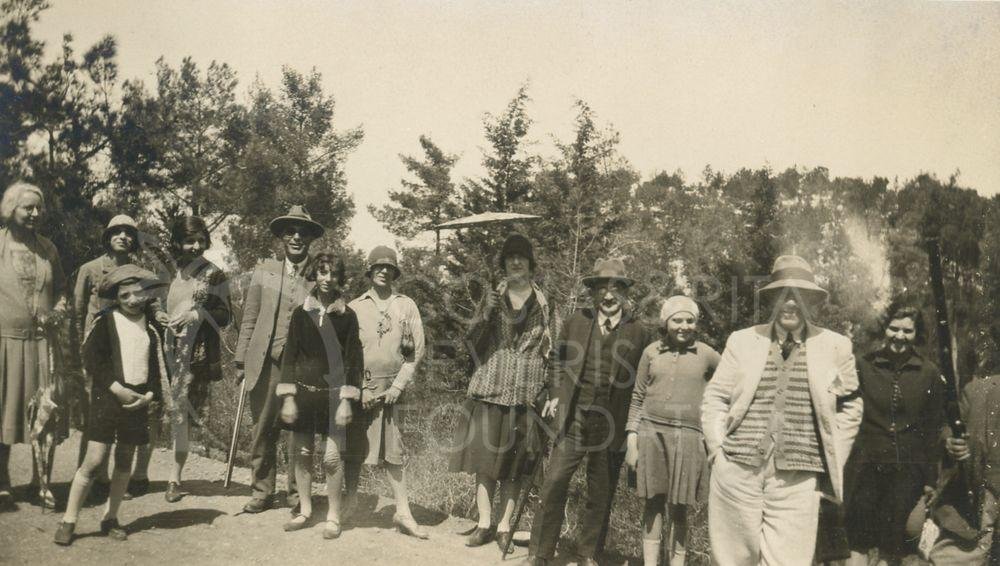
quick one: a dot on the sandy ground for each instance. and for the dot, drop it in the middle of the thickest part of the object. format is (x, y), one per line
(207, 527)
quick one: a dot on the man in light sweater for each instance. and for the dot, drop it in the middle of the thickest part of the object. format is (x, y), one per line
(779, 417)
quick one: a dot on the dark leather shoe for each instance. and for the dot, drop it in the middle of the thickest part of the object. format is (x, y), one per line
(257, 505)
(111, 529)
(504, 542)
(174, 493)
(64, 534)
(535, 561)
(479, 537)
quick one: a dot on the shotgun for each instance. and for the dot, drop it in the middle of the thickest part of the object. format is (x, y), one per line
(945, 356)
(946, 362)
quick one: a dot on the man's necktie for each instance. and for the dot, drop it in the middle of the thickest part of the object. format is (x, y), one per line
(786, 348)
(607, 326)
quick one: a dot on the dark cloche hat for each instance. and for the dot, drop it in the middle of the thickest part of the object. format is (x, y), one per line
(517, 244)
(382, 255)
(296, 215)
(128, 273)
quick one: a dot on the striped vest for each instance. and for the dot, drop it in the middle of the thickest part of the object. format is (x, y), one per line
(781, 420)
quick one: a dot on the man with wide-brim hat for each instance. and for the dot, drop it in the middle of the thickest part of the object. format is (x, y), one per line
(296, 217)
(589, 389)
(392, 337)
(779, 416)
(276, 288)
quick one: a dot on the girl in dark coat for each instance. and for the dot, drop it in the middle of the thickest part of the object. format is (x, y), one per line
(895, 454)
(123, 355)
(320, 376)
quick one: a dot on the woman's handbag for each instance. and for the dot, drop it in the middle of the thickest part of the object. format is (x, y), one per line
(831, 535)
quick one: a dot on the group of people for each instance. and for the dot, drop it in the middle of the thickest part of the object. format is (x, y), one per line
(783, 419)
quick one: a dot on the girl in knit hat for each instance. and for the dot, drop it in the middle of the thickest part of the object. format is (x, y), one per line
(665, 445)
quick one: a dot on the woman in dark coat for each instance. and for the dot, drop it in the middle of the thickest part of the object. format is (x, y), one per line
(896, 451)
(510, 338)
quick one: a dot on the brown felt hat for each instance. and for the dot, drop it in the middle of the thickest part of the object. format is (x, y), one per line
(296, 215)
(608, 270)
(793, 272)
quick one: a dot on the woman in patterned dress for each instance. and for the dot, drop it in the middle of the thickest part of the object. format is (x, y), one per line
(32, 302)
(510, 338)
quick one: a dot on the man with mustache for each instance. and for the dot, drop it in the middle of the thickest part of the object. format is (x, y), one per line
(276, 288)
(779, 417)
(590, 387)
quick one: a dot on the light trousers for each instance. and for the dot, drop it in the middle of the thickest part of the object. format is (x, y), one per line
(761, 515)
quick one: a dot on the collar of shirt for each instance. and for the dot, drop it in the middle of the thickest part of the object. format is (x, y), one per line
(779, 336)
(615, 320)
(371, 294)
(313, 304)
(884, 357)
(294, 268)
(668, 346)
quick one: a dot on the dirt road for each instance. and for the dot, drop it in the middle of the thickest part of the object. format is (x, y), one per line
(207, 527)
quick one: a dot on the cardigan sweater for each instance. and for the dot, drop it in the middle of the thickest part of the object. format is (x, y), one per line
(102, 358)
(670, 385)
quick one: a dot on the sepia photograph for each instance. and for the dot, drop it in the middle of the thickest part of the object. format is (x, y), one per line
(485, 282)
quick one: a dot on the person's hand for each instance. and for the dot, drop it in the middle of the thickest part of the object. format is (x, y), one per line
(958, 448)
(549, 410)
(632, 451)
(490, 302)
(240, 375)
(350, 392)
(289, 411)
(142, 401)
(182, 319)
(344, 414)
(162, 318)
(125, 395)
(391, 395)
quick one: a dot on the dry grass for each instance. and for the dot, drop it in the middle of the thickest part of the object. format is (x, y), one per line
(430, 419)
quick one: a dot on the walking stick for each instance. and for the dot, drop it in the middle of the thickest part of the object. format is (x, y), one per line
(236, 434)
(534, 478)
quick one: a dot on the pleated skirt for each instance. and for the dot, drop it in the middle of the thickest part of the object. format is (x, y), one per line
(24, 369)
(673, 462)
(495, 441)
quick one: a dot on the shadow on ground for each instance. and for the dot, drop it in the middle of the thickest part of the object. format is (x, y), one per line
(177, 519)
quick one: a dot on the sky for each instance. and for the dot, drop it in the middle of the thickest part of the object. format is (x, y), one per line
(863, 88)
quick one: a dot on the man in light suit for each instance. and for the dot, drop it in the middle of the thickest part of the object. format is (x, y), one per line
(276, 288)
(779, 417)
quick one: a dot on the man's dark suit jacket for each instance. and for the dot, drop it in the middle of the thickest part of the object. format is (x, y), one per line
(570, 352)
